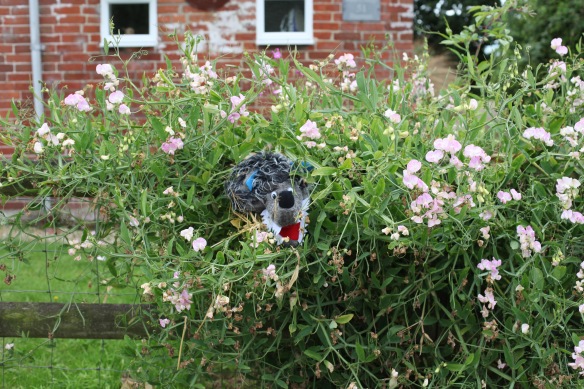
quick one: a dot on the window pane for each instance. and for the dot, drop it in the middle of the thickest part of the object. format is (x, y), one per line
(284, 15)
(130, 18)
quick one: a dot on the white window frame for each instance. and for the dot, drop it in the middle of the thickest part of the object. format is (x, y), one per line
(130, 40)
(305, 37)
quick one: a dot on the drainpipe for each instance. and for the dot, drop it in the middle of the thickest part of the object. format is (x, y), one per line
(35, 50)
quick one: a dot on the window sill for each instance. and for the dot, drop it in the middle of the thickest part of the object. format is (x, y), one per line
(285, 40)
(131, 41)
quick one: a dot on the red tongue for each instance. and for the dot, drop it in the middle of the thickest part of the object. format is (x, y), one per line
(292, 231)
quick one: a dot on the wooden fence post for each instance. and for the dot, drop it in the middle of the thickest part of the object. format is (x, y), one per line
(75, 320)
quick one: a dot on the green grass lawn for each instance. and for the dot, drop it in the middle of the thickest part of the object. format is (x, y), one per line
(46, 273)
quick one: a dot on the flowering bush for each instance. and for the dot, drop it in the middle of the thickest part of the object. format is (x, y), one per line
(443, 246)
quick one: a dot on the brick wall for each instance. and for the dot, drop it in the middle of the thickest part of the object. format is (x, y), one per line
(70, 36)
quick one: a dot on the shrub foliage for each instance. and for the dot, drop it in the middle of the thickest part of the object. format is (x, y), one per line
(444, 245)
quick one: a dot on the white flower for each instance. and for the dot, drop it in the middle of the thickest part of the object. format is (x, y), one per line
(147, 288)
(188, 233)
(43, 130)
(38, 147)
(525, 328)
(9, 346)
(134, 222)
(199, 244)
(116, 97)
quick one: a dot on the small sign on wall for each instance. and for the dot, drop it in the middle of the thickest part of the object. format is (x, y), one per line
(361, 10)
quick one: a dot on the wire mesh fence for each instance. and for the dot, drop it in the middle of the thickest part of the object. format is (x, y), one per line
(55, 253)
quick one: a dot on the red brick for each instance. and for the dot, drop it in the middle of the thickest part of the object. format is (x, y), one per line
(12, 38)
(17, 58)
(325, 35)
(21, 10)
(67, 29)
(73, 19)
(318, 8)
(347, 36)
(94, 28)
(15, 20)
(323, 16)
(67, 10)
(6, 48)
(71, 66)
(332, 26)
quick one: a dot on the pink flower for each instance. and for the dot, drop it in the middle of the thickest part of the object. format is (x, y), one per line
(434, 156)
(199, 244)
(562, 50)
(393, 116)
(403, 230)
(527, 240)
(556, 45)
(43, 130)
(270, 272)
(485, 231)
(488, 298)
(448, 144)
(77, 100)
(413, 166)
(277, 54)
(540, 134)
(309, 130)
(184, 301)
(578, 359)
(477, 157)
(516, 195)
(454, 161)
(346, 60)
(116, 97)
(163, 322)
(104, 69)
(411, 181)
(492, 267)
(173, 144)
(124, 109)
(504, 197)
(573, 216)
(233, 117)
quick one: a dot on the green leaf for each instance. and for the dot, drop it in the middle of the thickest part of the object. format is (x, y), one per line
(347, 164)
(360, 352)
(537, 278)
(158, 128)
(455, 366)
(344, 319)
(287, 143)
(517, 162)
(559, 272)
(105, 46)
(313, 354)
(111, 265)
(143, 202)
(324, 171)
(125, 234)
